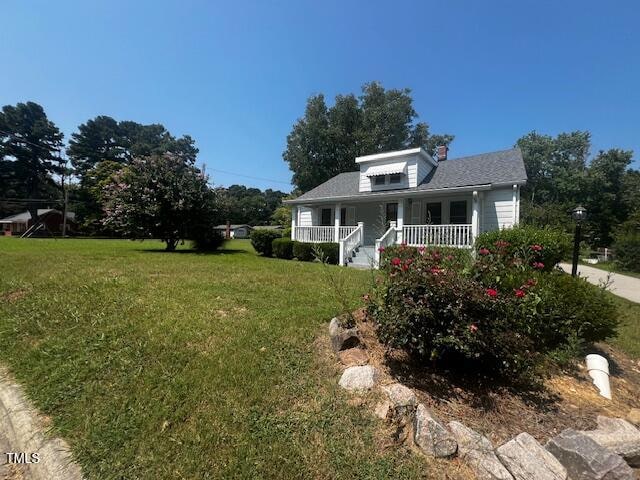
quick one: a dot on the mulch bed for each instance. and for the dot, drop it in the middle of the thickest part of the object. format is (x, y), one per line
(565, 400)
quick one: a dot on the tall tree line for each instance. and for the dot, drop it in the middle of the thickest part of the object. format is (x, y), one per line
(326, 140)
(562, 175)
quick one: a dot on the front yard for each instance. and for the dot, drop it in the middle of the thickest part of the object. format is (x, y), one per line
(185, 365)
(156, 365)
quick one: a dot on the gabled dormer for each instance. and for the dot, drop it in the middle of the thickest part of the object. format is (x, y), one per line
(394, 170)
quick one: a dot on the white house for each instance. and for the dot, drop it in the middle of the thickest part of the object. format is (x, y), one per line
(409, 196)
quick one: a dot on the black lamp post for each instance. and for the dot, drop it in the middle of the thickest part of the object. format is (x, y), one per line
(579, 214)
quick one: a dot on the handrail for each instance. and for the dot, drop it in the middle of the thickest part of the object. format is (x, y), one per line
(388, 238)
(349, 243)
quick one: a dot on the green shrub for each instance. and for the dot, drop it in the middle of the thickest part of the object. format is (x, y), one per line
(286, 232)
(627, 251)
(303, 251)
(500, 314)
(261, 240)
(523, 241)
(328, 251)
(207, 239)
(282, 248)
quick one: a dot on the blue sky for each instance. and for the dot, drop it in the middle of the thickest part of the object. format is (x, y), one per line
(236, 75)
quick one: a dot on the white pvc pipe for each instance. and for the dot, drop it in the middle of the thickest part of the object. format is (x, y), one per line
(598, 368)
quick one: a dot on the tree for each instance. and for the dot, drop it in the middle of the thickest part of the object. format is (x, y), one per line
(160, 196)
(30, 146)
(326, 141)
(555, 166)
(103, 145)
(105, 139)
(281, 216)
(606, 202)
(251, 205)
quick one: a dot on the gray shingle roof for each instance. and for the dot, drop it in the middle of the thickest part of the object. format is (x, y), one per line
(503, 167)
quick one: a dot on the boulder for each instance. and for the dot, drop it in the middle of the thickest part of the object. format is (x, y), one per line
(584, 459)
(618, 436)
(353, 356)
(526, 459)
(431, 435)
(382, 409)
(342, 338)
(634, 416)
(400, 396)
(359, 378)
(477, 451)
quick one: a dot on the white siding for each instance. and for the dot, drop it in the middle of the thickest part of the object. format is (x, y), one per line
(423, 169)
(305, 217)
(497, 209)
(417, 170)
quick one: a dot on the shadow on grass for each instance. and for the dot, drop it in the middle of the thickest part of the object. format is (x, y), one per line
(221, 251)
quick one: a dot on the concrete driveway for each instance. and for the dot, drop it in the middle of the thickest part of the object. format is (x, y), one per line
(621, 285)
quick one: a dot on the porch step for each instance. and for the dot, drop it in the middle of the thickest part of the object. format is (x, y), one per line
(363, 257)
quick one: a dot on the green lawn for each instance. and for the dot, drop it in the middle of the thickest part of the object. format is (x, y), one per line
(629, 332)
(180, 365)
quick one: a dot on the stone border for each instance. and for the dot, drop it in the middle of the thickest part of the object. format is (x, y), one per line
(25, 431)
(602, 454)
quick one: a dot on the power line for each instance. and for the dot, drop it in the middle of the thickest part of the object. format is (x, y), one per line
(250, 176)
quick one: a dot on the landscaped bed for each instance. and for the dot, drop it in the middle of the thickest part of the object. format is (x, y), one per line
(566, 399)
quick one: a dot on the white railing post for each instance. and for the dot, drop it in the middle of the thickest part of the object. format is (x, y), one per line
(336, 223)
(294, 221)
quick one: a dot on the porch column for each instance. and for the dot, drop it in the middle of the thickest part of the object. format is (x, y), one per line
(475, 216)
(294, 221)
(514, 201)
(400, 222)
(336, 221)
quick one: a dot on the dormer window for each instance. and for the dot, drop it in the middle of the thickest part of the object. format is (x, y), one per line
(394, 179)
(379, 180)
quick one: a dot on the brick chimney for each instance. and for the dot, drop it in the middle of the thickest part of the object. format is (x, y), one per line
(442, 152)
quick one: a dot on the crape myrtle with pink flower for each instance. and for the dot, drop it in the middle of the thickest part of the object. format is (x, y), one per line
(503, 310)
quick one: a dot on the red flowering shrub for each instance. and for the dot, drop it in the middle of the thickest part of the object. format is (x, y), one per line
(500, 312)
(546, 246)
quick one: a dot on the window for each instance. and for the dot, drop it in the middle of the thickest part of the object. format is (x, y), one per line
(391, 212)
(458, 212)
(395, 178)
(434, 213)
(343, 216)
(325, 217)
(379, 180)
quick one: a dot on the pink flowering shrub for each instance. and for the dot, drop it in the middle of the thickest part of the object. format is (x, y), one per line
(499, 312)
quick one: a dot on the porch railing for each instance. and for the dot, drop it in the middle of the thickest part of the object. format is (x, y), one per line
(438, 235)
(315, 234)
(321, 234)
(345, 231)
(388, 238)
(349, 243)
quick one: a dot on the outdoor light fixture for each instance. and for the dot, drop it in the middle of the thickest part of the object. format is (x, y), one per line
(579, 214)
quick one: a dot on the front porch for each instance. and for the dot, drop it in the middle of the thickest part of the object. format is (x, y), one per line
(368, 226)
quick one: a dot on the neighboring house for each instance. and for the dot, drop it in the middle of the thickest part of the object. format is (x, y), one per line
(49, 222)
(410, 197)
(236, 231)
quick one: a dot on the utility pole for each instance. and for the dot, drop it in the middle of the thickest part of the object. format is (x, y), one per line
(64, 213)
